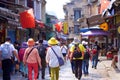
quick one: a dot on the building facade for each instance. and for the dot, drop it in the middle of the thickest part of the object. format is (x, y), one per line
(76, 13)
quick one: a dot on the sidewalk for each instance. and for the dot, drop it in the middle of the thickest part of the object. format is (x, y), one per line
(114, 74)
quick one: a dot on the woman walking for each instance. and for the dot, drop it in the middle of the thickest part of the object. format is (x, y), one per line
(52, 59)
(32, 59)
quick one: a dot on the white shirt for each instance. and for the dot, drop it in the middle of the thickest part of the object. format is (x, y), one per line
(64, 49)
(51, 57)
(11, 49)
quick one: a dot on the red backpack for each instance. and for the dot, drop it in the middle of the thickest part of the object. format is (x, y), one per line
(94, 51)
(21, 53)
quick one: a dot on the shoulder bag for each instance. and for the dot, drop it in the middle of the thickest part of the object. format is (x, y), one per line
(60, 60)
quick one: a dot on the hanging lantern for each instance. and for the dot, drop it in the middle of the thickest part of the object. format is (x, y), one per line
(58, 26)
(104, 26)
(27, 19)
(118, 29)
(65, 28)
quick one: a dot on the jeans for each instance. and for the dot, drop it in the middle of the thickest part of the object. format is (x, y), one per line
(23, 68)
(73, 66)
(94, 61)
(85, 66)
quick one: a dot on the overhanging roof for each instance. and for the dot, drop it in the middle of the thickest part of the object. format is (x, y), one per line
(90, 28)
(95, 33)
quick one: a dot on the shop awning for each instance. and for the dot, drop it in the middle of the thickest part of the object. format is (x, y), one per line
(40, 23)
(95, 33)
(90, 28)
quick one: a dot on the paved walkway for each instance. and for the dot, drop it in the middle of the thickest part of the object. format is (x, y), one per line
(103, 72)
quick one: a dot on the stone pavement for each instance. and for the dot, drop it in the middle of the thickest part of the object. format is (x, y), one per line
(104, 71)
(113, 73)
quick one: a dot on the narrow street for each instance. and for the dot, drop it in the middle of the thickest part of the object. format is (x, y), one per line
(66, 74)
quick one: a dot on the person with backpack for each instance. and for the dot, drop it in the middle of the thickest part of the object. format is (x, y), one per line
(23, 68)
(42, 53)
(6, 51)
(77, 55)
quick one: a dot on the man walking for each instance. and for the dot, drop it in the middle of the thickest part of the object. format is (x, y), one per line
(42, 53)
(6, 51)
(95, 53)
(76, 55)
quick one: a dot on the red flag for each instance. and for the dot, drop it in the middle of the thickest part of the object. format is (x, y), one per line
(27, 19)
(58, 26)
(104, 5)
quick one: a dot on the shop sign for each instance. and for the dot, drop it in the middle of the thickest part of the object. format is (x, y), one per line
(95, 20)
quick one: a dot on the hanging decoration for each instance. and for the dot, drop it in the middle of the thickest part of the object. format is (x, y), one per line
(118, 29)
(104, 26)
(65, 28)
(58, 26)
(27, 19)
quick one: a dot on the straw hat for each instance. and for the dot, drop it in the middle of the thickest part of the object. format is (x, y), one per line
(53, 41)
(30, 42)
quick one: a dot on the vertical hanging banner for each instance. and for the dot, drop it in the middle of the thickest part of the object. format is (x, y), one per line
(65, 28)
(27, 19)
(58, 26)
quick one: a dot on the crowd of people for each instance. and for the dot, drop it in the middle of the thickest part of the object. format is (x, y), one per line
(34, 56)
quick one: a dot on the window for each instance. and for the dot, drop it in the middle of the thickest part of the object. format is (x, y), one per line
(76, 29)
(30, 3)
(77, 14)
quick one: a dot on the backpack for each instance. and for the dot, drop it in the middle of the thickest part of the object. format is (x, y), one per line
(77, 53)
(21, 53)
(41, 50)
(6, 54)
(94, 51)
(86, 55)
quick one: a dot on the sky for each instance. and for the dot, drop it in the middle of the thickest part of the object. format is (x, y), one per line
(55, 7)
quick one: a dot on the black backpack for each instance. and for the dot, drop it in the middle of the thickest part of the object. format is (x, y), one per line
(76, 53)
(86, 55)
(42, 50)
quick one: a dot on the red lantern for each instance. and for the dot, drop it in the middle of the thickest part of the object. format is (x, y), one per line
(27, 19)
(58, 26)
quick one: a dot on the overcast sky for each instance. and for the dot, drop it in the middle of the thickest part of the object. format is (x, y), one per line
(55, 7)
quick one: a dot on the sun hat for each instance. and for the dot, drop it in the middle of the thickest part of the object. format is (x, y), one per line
(76, 40)
(30, 42)
(53, 41)
(24, 45)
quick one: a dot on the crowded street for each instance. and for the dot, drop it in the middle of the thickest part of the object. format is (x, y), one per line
(59, 39)
(103, 72)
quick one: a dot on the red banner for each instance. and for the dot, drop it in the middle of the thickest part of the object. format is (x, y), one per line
(27, 19)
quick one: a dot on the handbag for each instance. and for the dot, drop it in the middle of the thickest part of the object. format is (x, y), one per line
(60, 60)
